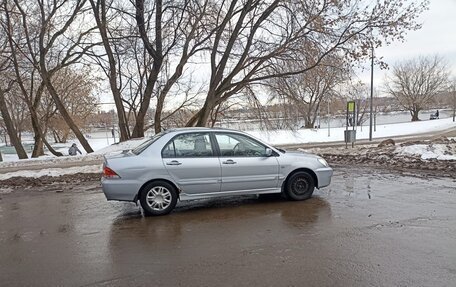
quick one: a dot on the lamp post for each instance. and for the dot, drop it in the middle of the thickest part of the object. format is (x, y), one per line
(454, 102)
(329, 121)
(371, 95)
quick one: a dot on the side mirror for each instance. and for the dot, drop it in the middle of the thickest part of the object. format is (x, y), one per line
(268, 152)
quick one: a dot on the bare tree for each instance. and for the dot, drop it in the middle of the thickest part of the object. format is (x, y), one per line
(6, 82)
(18, 109)
(415, 83)
(101, 10)
(193, 30)
(10, 128)
(254, 35)
(306, 92)
(147, 47)
(50, 35)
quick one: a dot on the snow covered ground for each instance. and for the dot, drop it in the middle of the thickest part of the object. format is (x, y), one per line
(104, 146)
(427, 151)
(283, 137)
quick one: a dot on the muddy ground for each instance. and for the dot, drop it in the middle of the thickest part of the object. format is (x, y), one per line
(371, 227)
(388, 157)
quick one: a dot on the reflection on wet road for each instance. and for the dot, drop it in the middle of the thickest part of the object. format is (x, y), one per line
(369, 228)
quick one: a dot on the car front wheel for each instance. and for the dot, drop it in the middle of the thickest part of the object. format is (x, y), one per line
(299, 186)
(158, 198)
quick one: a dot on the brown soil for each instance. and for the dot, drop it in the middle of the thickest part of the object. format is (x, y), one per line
(72, 179)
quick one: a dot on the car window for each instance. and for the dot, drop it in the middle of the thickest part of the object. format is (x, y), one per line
(236, 145)
(189, 145)
(139, 149)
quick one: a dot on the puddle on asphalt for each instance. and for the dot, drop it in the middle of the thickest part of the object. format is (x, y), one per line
(245, 219)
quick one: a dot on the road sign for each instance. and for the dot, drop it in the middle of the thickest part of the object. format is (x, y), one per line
(351, 106)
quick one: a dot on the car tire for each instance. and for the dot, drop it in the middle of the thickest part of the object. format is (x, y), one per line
(300, 186)
(158, 198)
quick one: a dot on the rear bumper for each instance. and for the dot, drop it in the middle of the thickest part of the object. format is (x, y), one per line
(324, 176)
(121, 190)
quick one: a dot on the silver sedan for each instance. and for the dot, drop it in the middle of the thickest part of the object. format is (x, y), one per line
(195, 163)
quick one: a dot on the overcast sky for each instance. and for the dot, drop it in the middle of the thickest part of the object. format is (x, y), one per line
(437, 36)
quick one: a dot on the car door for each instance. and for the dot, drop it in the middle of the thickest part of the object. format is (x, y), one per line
(245, 164)
(191, 161)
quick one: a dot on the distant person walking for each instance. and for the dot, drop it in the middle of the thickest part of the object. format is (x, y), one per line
(73, 150)
(437, 114)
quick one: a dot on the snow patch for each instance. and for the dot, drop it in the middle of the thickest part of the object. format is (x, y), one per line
(52, 171)
(432, 151)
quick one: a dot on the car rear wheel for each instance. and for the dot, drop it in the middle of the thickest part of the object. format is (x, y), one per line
(158, 198)
(299, 186)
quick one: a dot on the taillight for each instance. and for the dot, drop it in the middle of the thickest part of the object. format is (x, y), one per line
(109, 173)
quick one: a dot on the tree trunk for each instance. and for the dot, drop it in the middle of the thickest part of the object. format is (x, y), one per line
(57, 138)
(192, 121)
(308, 123)
(123, 126)
(38, 147)
(215, 116)
(39, 137)
(414, 114)
(10, 128)
(138, 130)
(203, 117)
(205, 112)
(158, 112)
(157, 55)
(51, 149)
(64, 138)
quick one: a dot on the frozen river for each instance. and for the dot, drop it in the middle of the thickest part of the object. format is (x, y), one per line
(335, 121)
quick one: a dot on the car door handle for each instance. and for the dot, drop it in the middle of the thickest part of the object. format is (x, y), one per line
(229, 161)
(173, 162)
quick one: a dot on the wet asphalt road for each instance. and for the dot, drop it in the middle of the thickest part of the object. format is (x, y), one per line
(369, 228)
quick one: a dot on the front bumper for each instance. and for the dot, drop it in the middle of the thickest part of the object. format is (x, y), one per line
(324, 176)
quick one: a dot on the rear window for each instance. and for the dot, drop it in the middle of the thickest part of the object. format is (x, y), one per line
(142, 147)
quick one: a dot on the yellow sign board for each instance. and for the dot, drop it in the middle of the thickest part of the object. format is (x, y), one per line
(351, 106)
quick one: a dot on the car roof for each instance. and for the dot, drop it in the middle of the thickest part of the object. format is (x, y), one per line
(199, 129)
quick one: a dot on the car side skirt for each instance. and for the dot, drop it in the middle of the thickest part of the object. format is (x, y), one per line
(185, 196)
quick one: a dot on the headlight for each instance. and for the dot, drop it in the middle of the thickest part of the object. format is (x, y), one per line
(323, 162)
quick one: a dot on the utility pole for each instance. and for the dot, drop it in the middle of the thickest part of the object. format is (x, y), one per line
(454, 101)
(329, 120)
(372, 95)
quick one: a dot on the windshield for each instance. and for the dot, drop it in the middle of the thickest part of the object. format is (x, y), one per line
(139, 149)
